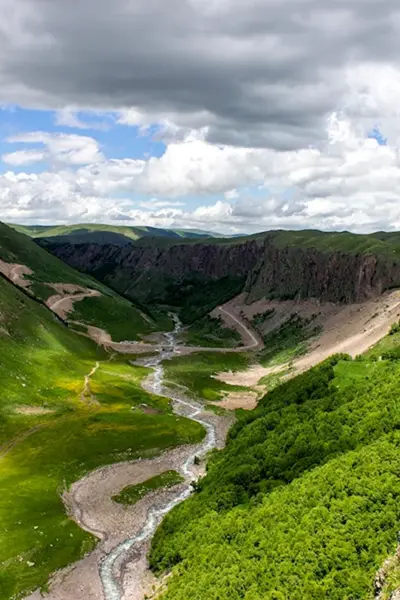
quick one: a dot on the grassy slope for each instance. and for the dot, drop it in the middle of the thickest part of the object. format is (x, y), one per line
(119, 316)
(304, 501)
(288, 341)
(42, 364)
(132, 233)
(386, 243)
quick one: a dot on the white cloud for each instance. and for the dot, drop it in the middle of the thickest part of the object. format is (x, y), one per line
(69, 117)
(23, 157)
(347, 182)
(59, 148)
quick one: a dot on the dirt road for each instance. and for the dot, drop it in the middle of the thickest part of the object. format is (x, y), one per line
(63, 302)
(351, 329)
(16, 273)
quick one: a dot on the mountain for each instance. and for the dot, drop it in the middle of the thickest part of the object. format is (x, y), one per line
(195, 275)
(104, 234)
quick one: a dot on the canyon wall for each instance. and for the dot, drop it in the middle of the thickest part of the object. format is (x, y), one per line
(150, 272)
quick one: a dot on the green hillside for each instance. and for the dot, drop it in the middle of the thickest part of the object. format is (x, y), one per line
(53, 431)
(381, 243)
(103, 233)
(303, 503)
(122, 319)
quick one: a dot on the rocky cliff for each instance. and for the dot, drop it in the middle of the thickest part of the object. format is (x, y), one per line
(187, 273)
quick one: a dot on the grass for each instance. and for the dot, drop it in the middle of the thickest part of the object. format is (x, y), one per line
(343, 241)
(133, 493)
(196, 372)
(273, 380)
(120, 318)
(42, 365)
(211, 332)
(82, 230)
(386, 344)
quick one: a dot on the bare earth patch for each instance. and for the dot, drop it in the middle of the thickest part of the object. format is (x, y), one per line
(16, 273)
(350, 329)
(233, 400)
(33, 410)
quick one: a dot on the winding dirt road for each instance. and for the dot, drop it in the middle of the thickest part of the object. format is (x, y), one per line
(63, 302)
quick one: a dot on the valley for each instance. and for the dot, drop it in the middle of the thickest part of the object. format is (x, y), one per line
(124, 368)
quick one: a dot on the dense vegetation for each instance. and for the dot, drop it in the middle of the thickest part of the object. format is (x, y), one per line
(133, 493)
(303, 503)
(211, 332)
(194, 298)
(50, 435)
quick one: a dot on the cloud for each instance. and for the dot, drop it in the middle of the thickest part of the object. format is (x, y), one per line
(59, 148)
(69, 117)
(265, 109)
(257, 74)
(350, 182)
(23, 157)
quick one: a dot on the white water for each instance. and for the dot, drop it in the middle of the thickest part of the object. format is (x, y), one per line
(111, 586)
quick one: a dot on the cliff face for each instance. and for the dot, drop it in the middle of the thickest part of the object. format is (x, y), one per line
(287, 273)
(150, 273)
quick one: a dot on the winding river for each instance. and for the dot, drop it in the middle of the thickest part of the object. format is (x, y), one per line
(111, 583)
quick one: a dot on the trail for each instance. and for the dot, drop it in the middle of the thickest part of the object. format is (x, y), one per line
(86, 394)
(16, 273)
(10, 445)
(256, 341)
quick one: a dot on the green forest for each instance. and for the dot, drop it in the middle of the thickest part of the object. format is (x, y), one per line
(304, 501)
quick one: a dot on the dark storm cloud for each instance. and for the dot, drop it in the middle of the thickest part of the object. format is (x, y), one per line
(262, 73)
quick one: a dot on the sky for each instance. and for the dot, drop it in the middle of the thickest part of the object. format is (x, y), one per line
(232, 116)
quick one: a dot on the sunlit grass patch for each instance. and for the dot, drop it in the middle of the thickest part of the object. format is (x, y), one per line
(133, 493)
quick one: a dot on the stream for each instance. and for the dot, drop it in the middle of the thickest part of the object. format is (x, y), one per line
(112, 588)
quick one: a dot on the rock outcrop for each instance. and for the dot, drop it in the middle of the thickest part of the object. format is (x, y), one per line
(147, 272)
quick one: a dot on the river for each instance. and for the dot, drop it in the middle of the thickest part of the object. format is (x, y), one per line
(111, 583)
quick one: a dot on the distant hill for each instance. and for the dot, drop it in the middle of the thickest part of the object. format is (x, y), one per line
(106, 234)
